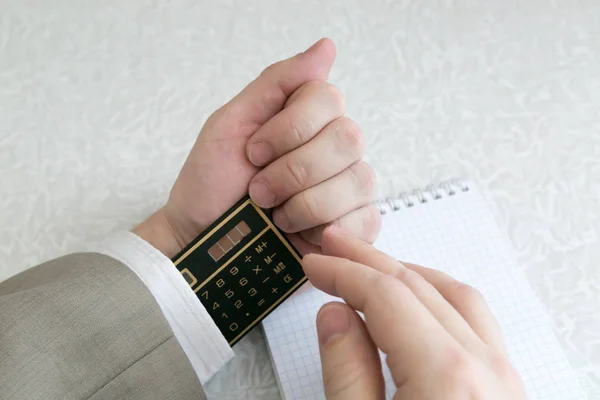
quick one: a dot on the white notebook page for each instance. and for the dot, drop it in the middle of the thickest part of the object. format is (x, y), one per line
(455, 234)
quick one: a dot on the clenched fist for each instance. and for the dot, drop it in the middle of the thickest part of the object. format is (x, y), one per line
(285, 140)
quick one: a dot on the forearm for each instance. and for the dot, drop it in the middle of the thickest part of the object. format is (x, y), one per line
(76, 325)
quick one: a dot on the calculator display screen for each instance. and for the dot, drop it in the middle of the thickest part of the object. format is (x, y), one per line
(229, 241)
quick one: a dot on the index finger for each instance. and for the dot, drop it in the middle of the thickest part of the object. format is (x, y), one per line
(400, 325)
(468, 303)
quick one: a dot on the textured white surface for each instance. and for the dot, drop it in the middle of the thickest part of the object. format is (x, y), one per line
(100, 101)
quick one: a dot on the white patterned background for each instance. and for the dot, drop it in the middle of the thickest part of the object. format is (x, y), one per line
(100, 101)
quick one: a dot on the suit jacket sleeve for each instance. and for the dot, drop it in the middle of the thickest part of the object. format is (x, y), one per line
(84, 326)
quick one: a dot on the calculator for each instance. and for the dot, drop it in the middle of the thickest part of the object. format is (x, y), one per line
(241, 268)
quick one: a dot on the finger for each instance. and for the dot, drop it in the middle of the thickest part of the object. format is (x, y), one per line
(337, 147)
(324, 203)
(339, 243)
(309, 109)
(350, 360)
(468, 302)
(302, 245)
(266, 95)
(363, 223)
(400, 325)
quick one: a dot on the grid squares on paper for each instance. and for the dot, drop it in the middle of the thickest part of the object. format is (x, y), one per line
(457, 235)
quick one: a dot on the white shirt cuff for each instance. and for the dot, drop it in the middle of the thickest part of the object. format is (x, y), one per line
(199, 337)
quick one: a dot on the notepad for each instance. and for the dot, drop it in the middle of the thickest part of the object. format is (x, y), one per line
(450, 228)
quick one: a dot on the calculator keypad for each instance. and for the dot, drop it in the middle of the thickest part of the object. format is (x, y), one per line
(250, 285)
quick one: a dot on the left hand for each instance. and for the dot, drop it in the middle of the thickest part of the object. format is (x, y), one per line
(285, 140)
(440, 338)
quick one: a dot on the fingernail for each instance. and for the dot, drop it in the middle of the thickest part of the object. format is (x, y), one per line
(337, 230)
(281, 220)
(260, 153)
(314, 46)
(261, 194)
(333, 321)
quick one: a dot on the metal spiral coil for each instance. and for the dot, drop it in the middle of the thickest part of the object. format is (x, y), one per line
(420, 196)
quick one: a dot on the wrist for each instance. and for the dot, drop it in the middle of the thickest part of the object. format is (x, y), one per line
(160, 233)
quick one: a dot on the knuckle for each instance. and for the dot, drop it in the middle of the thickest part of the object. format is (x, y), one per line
(335, 97)
(460, 372)
(270, 69)
(384, 284)
(465, 294)
(286, 215)
(307, 90)
(221, 120)
(315, 87)
(502, 368)
(327, 93)
(402, 274)
(299, 128)
(339, 378)
(215, 119)
(364, 178)
(462, 369)
(312, 235)
(410, 278)
(350, 136)
(386, 289)
(297, 173)
(311, 207)
(372, 223)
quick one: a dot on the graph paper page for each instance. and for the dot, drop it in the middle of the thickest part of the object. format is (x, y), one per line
(455, 234)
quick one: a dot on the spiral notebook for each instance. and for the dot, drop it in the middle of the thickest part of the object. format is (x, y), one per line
(447, 227)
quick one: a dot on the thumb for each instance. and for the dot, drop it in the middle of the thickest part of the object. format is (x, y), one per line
(351, 364)
(264, 97)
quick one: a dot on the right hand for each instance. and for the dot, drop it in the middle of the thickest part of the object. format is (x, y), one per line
(440, 337)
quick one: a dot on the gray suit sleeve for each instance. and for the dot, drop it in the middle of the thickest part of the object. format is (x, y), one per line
(84, 326)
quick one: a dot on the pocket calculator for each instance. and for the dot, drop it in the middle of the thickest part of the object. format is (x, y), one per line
(241, 268)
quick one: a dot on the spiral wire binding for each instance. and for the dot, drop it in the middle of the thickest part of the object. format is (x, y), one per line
(419, 196)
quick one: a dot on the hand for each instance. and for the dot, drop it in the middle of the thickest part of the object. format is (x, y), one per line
(441, 340)
(283, 138)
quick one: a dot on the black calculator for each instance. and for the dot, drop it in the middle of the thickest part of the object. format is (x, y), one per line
(241, 268)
